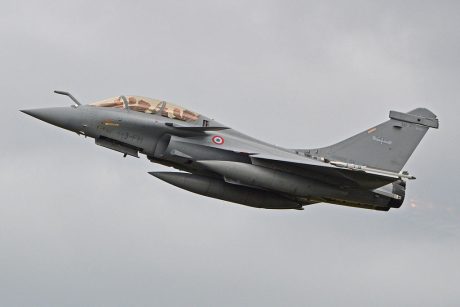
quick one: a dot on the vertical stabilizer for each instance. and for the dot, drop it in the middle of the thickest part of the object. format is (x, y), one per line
(387, 146)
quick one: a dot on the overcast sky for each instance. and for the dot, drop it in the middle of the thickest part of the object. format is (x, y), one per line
(81, 226)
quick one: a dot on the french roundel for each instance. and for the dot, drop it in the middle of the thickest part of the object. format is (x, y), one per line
(218, 140)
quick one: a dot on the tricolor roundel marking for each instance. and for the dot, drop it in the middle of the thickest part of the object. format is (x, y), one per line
(218, 140)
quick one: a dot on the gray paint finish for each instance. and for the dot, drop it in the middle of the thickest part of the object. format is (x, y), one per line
(176, 137)
(112, 235)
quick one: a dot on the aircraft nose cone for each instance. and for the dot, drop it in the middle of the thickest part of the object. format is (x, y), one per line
(64, 117)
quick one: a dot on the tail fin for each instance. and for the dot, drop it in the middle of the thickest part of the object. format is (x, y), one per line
(387, 146)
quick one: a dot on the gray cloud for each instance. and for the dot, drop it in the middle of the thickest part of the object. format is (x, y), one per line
(79, 225)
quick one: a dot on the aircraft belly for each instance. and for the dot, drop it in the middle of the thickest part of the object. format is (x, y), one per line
(270, 179)
(216, 188)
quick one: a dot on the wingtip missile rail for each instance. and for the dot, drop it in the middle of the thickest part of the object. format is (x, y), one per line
(371, 170)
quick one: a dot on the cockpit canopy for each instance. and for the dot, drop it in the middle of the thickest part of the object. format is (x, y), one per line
(149, 106)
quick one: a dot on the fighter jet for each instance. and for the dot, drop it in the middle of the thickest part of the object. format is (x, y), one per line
(214, 160)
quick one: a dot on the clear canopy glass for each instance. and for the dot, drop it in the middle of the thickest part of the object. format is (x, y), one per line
(150, 106)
